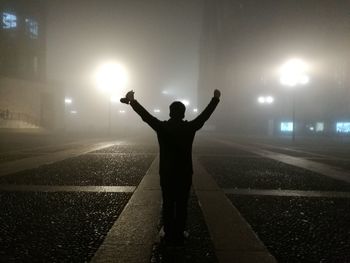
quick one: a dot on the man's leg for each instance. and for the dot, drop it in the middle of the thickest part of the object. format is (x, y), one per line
(181, 211)
(168, 213)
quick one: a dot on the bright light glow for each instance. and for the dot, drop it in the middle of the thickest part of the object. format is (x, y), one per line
(165, 92)
(269, 99)
(286, 126)
(122, 111)
(343, 127)
(68, 100)
(261, 99)
(73, 112)
(294, 72)
(115, 99)
(156, 110)
(111, 77)
(185, 102)
(195, 110)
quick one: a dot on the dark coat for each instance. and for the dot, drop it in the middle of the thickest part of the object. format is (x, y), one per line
(175, 139)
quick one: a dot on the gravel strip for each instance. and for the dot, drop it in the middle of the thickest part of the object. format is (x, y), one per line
(264, 173)
(299, 229)
(56, 227)
(198, 247)
(101, 169)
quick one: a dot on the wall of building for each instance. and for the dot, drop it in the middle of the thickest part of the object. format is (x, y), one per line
(27, 102)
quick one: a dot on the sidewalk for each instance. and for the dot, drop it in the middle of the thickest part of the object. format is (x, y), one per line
(136, 231)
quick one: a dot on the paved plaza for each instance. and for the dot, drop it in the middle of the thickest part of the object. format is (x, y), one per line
(253, 200)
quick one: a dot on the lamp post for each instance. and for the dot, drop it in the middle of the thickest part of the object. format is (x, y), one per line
(294, 73)
(111, 78)
(267, 100)
(67, 101)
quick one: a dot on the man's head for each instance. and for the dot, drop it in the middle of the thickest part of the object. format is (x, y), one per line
(177, 110)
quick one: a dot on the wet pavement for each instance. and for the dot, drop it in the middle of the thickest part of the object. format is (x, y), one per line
(55, 227)
(88, 169)
(264, 173)
(299, 229)
(62, 212)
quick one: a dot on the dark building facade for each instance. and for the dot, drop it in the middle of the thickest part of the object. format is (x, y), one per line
(26, 98)
(23, 39)
(244, 43)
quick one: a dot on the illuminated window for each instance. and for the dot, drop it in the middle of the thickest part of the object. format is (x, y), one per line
(286, 126)
(343, 127)
(319, 126)
(9, 20)
(32, 27)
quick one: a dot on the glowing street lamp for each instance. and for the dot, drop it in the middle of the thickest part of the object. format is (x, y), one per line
(68, 100)
(111, 77)
(294, 73)
(266, 99)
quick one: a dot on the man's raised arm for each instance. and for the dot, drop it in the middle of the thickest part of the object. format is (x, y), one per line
(144, 114)
(204, 116)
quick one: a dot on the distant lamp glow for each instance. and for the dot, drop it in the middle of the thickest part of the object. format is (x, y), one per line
(261, 100)
(294, 72)
(195, 110)
(111, 77)
(73, 112)
(156, 110)
(122, 111)
(266, 99)
(68, 100)
(165, 92)
(269, 99)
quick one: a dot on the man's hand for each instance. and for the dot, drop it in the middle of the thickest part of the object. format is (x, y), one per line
(217, 94)
(128, 97)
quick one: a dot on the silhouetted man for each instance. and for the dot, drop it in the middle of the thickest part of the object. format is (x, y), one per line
(175, 137)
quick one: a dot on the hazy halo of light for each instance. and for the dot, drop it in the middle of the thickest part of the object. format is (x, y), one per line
(294, 72)
(68, 100)
(156, 110)
(121, 111)
(269, 99)
(261, 99)
(73, 112)
(115, 99)
(195, 110)
(111, 77)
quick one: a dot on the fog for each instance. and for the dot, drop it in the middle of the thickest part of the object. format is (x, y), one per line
(156, 41)
(183, 50)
